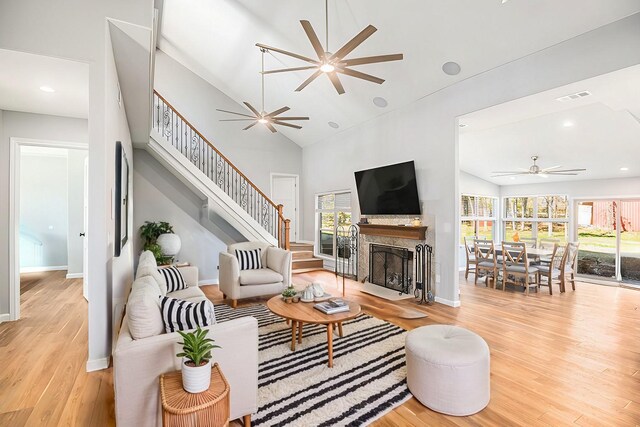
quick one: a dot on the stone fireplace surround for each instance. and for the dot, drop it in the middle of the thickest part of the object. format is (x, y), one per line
(400, 242)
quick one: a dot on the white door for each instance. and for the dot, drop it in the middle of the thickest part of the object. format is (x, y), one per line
(85, 240)
(284, 192)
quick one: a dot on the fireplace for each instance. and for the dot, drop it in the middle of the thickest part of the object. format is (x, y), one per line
(391, 267)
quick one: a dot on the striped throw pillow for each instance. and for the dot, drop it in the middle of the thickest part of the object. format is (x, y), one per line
(249, 260)
(180, 315)
(174, 279)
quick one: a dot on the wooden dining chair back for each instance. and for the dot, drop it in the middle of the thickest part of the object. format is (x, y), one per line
(515, 266)
(485, 253)
(551, 270)
(547, 244)
(570, 264)
(471, 258)
(529, 241)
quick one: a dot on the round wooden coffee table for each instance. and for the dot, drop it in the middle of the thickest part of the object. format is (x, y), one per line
(303, 312)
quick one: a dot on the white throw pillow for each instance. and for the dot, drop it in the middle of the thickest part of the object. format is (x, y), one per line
(147, 267)
(143, 309)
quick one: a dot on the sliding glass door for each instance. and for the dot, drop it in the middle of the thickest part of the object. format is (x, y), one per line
(630, 241)
(609, 236)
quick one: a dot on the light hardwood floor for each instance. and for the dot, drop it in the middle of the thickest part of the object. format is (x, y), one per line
(565, 359)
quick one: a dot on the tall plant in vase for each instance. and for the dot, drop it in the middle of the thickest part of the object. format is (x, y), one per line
(160, 239)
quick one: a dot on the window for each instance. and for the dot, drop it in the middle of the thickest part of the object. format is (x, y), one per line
(332, 210)
(535, 217)
(478, 215)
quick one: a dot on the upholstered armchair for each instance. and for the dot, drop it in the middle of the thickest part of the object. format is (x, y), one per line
(271, 279)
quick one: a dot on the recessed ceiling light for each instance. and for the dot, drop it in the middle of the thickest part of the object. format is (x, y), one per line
(380, 102)
(451, 68)
(462, 125)
(47, 89)
(624, 169)
(567, 124)
(333, 125)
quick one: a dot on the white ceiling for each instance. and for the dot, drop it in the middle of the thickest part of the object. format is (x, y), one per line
(216, 40)
(604, 135)
(22, 74)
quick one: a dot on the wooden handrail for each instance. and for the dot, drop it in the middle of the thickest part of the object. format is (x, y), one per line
(255, 187)
(283, 224)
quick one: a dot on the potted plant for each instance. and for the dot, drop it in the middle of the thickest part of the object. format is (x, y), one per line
(160, 239)
(196, 360)
(288, 294)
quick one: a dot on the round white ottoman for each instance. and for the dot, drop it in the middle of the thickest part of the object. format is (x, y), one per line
(448, 369)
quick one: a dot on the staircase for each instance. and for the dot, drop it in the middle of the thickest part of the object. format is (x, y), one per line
(303, 259)
(235, 206)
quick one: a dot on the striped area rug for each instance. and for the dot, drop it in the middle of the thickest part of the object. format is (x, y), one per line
(368, 378)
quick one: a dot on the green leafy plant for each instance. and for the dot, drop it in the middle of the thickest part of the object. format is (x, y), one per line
(150, 232)
(289, 292)
(196, 347)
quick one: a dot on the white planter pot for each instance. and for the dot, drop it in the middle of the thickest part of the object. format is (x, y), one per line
(196, 379)
(170, 244)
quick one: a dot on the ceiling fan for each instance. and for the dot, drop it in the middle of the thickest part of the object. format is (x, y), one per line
(267, 119)
(333, 63)
(537, 170)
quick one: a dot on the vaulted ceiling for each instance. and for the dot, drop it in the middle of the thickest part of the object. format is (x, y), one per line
(217, 40)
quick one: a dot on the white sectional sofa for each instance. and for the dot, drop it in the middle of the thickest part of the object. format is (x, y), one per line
(144, 351)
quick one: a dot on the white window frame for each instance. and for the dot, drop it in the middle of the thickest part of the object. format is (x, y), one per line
(335, 211)
(495, 218)
(535, 220)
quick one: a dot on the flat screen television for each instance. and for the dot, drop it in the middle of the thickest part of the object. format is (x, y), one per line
(388, 190)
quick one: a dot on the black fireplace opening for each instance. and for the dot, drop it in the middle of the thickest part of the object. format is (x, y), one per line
(391, 267)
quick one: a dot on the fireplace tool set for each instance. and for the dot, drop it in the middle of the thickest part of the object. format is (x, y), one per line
(423, 291)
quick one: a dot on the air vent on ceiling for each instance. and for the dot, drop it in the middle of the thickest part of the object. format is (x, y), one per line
(574, 96)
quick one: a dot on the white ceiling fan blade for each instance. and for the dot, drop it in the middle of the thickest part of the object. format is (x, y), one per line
(552, 168)
(562, 173)
(569, 170)
(522, 171)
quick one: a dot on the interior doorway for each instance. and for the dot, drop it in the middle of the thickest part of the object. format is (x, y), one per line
(284, 191)
(47, 212)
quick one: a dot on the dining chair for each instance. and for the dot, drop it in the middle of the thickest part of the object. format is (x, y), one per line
(552, 270)
(529, 241)
(547, 243)
(485, 253)
(516, 264)
(471, 258)
(570, 265)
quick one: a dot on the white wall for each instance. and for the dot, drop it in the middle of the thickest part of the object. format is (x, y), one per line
(256, 152)
(119, 284)
(160, 196)
(595, 188)
(75, 173)
(76, 30)
(472, 185)
(426, 131)
(43, 206)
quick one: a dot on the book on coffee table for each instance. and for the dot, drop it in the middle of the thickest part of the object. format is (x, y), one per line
(330, 307)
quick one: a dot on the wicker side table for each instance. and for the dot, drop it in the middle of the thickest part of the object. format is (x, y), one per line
(181, 408)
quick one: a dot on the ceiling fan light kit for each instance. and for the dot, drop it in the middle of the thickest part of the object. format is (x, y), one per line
(536, 170)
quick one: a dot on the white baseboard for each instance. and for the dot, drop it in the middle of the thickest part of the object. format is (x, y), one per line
(75, 276)
(208, 282)
(5, 317)
(97, 364)
(39, 269)
(448, 302)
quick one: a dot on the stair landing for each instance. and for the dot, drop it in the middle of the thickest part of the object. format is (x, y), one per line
(303, 259)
